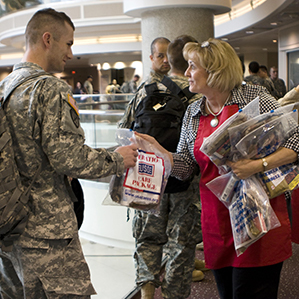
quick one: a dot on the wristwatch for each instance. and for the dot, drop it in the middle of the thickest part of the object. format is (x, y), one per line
(265, 163)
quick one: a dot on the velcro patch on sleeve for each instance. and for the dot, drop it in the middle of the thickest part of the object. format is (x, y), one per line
(73, 103)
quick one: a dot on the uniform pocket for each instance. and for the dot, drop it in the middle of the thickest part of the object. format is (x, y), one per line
(55, 286)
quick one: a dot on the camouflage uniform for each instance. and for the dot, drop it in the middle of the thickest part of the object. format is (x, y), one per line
(266, 82)
(45, 127)
(254, 79)
(176, 230)
(280, 87)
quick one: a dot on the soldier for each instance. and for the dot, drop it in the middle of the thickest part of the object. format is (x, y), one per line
(47, 260)
(160, 67)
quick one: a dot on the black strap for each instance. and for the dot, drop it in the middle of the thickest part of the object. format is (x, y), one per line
(174, 88)
(151, 88)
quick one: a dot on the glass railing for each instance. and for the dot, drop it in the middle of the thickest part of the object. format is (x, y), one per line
(99, 114)
(103, 223)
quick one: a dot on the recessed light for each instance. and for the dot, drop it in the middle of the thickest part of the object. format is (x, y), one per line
(274, 41)
(237, 48)
(224, 39)
(249, 32)
(273, 24)
(265, 49)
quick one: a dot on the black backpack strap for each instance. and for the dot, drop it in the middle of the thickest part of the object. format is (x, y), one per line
(175, 89)
(188, 93)
(172, 86)
(151, 88)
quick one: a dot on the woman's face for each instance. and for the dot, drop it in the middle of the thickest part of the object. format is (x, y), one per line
(197, 76)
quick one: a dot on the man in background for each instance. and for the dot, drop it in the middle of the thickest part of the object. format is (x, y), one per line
(47, 260)
(130, 86)
(160, 67)
(278, 83)
(88, 85)
(254, 77)
(263, 73)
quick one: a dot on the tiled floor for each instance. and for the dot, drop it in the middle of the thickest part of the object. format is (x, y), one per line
(112, 270)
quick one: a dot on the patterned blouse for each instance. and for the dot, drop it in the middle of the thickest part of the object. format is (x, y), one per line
(184, 160)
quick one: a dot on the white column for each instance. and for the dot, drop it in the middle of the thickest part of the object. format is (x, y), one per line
(171, 18)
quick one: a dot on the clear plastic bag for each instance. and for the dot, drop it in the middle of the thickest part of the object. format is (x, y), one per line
(268, 134)
(141, 187)
(218, 146)
(224, 187)
(280, 179)
(242, 130)
(251, 214)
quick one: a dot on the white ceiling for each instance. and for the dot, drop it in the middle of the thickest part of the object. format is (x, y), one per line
(260, 40)
(264, 32)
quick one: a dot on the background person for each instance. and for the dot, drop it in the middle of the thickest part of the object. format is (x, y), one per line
(160, 67)
(263, 73)
(130, 86)
(47, 260)
(278, 83)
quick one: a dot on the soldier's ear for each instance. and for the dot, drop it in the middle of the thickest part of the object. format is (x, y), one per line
(47, 38)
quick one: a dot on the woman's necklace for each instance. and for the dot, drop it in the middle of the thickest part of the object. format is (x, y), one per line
(214, 122)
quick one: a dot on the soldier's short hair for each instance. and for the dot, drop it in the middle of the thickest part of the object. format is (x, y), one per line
(45, 20)
(175, 52)
(161, 40)
(254, 67)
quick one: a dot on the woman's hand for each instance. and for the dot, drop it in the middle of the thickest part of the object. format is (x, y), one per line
(245, 168)
(156, 144)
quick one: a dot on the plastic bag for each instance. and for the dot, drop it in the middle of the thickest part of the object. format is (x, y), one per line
(280, 179)
(251, 214)
(217, 146)
(141, 187)
(224, 187)
(268, 134)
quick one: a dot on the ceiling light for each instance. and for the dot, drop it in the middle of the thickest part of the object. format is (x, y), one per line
(224, 39)
(128, 38)
(106, 66)
(119, 65)
(265, 49)
(274, 41)
(249, 32)
(238, 10)
(274, 24)
(237, 48)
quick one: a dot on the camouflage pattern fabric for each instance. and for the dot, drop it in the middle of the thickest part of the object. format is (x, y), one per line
(57, 271)
(271, 88)
(267, 82)
(254, 79)
(280, 87)
(45, 128)
(177, 229)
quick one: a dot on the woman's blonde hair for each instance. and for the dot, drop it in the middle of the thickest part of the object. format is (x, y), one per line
(220, 61)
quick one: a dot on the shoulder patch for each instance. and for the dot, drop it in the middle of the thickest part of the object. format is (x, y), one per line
(72, 103)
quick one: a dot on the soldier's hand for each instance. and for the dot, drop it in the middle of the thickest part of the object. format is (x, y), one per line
(129, 153)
